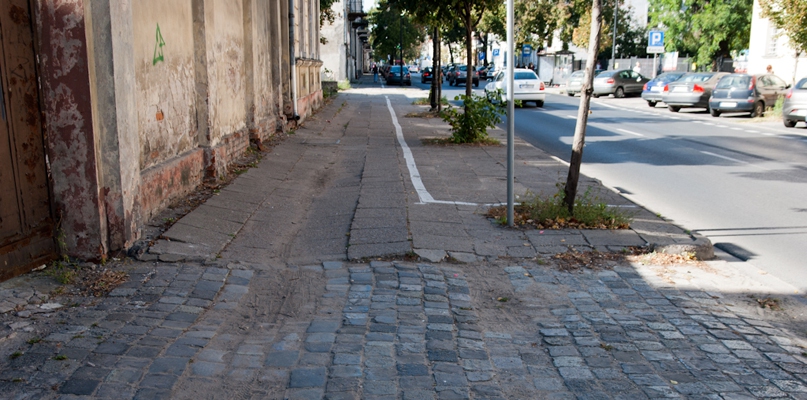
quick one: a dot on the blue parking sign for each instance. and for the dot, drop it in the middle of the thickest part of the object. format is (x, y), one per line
(656, 38)
(481, 56)
(495, 52)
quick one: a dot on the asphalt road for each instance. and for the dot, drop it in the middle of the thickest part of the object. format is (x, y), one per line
(738, 181)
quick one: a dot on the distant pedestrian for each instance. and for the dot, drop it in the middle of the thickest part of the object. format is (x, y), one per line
(531, 67)
(375, 73)
(638, 68)
(769, 69)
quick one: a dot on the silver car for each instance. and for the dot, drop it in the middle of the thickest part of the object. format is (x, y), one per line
(619, 83)
(794, 108)
(692, 90)
(575, 83)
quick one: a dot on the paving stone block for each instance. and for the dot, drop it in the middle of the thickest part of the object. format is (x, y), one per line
(307, 377)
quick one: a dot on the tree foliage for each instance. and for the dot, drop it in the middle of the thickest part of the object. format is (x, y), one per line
(387, 35)
(631, 39)
(325, 12)
(706, 29)
(790, 16)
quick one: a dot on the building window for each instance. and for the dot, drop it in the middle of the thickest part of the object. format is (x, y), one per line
(770, 45)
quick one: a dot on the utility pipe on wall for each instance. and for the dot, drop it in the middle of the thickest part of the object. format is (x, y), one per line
(293, 61)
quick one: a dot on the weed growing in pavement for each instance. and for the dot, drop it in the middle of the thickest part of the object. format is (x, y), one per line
(776, 112)
(15, 354)
(60, 357)
(343, 85)
(551, 212)
(424, 101)
(480, 113)
(34, 340)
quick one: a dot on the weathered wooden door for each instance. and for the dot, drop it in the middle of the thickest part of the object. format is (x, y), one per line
(26, 222)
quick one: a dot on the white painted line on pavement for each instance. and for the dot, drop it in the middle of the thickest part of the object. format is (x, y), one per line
(768, 134)
(630, 133)
(723, 157)
(570, 116)
(414, 175)
(751, 131)
(559, 160)
(736, 129)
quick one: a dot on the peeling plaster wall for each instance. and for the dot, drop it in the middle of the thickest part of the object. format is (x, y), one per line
(136, 116)
(166, 109)
(225, 66)
(264, 102)
(66, 105)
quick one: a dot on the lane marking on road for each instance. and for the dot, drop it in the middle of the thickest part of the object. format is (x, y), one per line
(570, 116)
(737, 129)
(768, 134)
(414, 175)
(751, 131)
(630, 132)
(559, 160)
(724, 157)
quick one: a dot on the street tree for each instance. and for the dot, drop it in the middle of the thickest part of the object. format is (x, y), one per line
(789, 16)
(393, 28)
(436, 17)
(708, 29)
(631, 39)
(579, 141)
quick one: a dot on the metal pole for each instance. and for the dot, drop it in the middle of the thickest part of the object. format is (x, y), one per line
(613, 43)
(402, 63)
(511, 126)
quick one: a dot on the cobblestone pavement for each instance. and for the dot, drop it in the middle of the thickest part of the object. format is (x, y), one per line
(404, 330)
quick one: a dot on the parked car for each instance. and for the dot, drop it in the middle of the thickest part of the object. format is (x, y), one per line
(414, 69)
(653, 91)
(575, 82)
(426, 75)
(527, 86)
(794, 108)
(618, 82)
(394, 76)
(450, 74)
(691, 90)
(461, 76)
(482, 71)
(746, 93)
(384, 70)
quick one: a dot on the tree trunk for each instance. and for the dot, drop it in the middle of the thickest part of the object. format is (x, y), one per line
(433, 99)
(439, 72)
(469, 73)
(582, 113)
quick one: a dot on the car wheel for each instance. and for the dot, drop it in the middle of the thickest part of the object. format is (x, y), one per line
(652, 104)
(789, 123)
(759, 109)
(570, 94)
(620, 93)
(539, 103)
(476, 84)
(674, 108)
(715, 113)
(595, 95)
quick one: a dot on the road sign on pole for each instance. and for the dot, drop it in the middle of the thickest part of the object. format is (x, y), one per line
(495, 52)
(655, 42)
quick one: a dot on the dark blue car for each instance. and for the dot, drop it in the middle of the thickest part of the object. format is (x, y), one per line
(653, 90)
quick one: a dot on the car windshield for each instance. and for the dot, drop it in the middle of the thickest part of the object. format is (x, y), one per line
(696, 78)
(734, 81)
(522, 76)
(669, 76)
(577, 74)
(606, 74)
(463, 68)
(802, 85)
(398, 70)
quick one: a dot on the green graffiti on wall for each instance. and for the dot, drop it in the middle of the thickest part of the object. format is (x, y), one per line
(158, 47)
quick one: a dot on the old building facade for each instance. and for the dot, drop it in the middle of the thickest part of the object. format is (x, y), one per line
(117, 108)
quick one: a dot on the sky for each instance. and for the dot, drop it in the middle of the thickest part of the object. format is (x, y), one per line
(368, 4)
